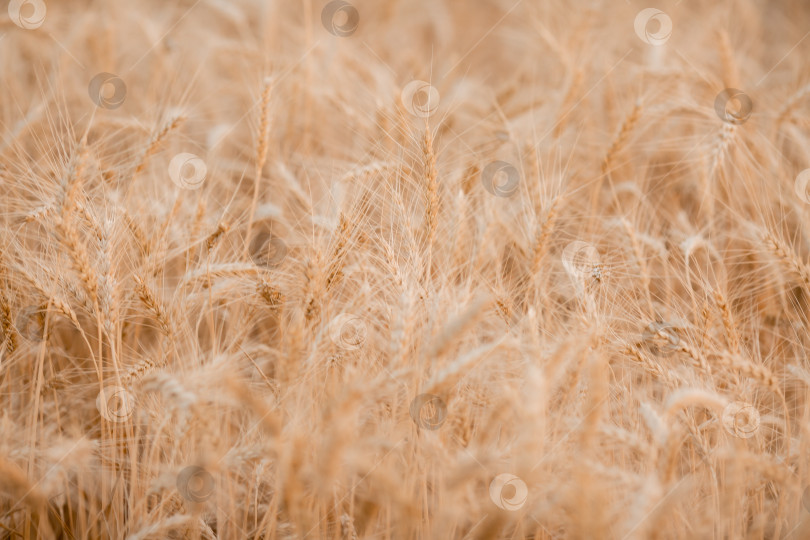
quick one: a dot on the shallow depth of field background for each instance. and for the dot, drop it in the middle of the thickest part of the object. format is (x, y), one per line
(404, 269)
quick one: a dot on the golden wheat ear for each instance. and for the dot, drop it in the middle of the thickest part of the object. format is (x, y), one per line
(262, 146)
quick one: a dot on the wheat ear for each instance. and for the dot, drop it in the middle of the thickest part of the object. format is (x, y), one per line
(732, 335)
(431, 188)
(155, 306)
(262, 146)
(788, 256)
(622, 138)
(157, 140)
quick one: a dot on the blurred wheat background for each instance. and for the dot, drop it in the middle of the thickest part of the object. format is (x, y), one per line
(404, 269)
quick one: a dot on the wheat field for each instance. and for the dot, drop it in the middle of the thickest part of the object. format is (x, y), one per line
(405, 269)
